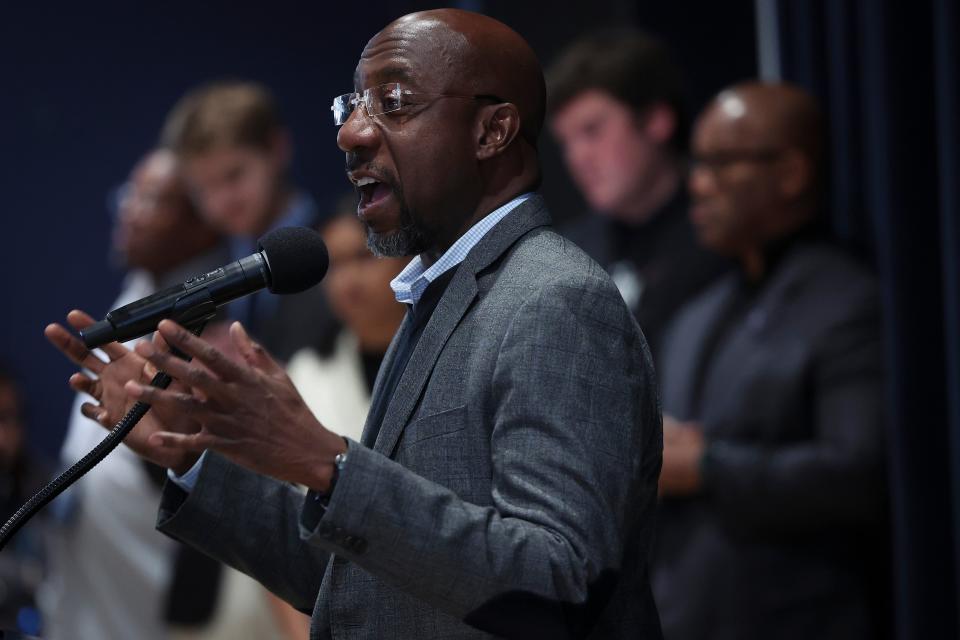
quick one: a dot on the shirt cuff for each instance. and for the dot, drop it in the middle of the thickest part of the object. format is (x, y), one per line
(189, 478)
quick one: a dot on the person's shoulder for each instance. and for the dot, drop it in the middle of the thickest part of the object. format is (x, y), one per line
(547, 277)
(544, 257)
(832, 270)
(831, 286)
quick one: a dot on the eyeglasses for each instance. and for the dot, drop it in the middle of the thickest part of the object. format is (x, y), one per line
(722, 159)
(388, 98)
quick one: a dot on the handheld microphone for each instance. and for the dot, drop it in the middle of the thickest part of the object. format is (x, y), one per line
(290, 260)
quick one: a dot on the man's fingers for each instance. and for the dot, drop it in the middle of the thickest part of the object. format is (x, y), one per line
(85, 384)
(81, 320)
(253, 352)
(207, 354)
(181, 441)
(173, 402)
(71, 347)
(96, 413)
(191, 374)
(159, 342)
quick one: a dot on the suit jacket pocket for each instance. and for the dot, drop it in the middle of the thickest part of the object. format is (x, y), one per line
(434, 425)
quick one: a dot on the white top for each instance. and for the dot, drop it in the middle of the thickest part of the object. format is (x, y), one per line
(334, 388)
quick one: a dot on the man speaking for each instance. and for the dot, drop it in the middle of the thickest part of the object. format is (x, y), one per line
(506, 479)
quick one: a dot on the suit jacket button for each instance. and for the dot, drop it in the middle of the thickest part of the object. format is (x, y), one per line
(359, 545)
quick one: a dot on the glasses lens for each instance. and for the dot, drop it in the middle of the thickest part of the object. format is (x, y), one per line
(382, 99)
(343, 107)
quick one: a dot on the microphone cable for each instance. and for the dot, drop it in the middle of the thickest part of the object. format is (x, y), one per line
(113, 439)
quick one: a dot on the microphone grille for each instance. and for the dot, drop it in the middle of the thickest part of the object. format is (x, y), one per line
(297, 257)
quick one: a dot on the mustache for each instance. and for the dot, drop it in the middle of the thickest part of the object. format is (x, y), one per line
(355, 162)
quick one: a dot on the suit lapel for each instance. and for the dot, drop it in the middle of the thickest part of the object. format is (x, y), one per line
(732, 359)
(458, 297)
(685, 349)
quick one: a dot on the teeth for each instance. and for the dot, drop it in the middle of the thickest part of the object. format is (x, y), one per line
(362, 182)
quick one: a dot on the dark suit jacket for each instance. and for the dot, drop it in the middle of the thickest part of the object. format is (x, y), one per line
(781, 543)
(510, 488)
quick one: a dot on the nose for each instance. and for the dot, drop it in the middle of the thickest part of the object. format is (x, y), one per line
(701, 180)
(358, 132)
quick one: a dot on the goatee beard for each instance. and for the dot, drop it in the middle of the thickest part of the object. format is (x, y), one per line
(409, 240)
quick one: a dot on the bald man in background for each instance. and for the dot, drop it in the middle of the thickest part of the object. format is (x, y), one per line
(773, 481)
(505, 481)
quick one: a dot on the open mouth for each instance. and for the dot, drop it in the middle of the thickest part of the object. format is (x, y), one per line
(371, 191)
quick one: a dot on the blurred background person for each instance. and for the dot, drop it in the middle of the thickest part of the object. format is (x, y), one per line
(112, 574)
(235, 153)
(337, 383)
(773, 465)
(110, 569)
(615, 107)
(21, 476)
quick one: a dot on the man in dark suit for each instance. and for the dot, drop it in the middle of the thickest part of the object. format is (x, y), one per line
(616, 110)
(506, 477)
(773, 447)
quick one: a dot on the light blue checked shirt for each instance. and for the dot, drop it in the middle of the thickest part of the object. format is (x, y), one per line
(410, 284)
(408, 287)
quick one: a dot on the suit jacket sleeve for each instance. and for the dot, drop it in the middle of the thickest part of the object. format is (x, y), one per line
(249, 522)
(837, 477)
(575, 448)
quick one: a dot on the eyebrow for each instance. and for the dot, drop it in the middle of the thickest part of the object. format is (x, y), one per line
(393, 73)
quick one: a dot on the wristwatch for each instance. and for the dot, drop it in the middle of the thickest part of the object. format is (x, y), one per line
(339, 461)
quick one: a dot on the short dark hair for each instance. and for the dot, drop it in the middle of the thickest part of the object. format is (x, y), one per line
(632, 66)
(222, 114)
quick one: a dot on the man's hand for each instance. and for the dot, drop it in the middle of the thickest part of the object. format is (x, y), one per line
(683, 447)
(250, 412)
(106, 386)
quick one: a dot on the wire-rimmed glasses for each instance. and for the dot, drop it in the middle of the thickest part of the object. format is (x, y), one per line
(386, 98)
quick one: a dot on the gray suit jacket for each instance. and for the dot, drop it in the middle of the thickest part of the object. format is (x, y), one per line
(785, 540)
(511, 488)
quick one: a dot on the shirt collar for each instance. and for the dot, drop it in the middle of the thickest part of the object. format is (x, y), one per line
(410, 284)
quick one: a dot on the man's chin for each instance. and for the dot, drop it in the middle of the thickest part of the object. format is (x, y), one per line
(392, 244)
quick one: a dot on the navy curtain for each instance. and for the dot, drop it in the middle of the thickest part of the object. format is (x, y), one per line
(887, 73)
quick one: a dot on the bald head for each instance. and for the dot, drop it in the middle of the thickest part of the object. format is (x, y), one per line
(158, 228)
(444, 93)
(774, 115)
(758, 166)
(473, 54)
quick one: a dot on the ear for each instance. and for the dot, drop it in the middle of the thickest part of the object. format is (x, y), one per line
(497, 127)
(795, 174)
(660, 123)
